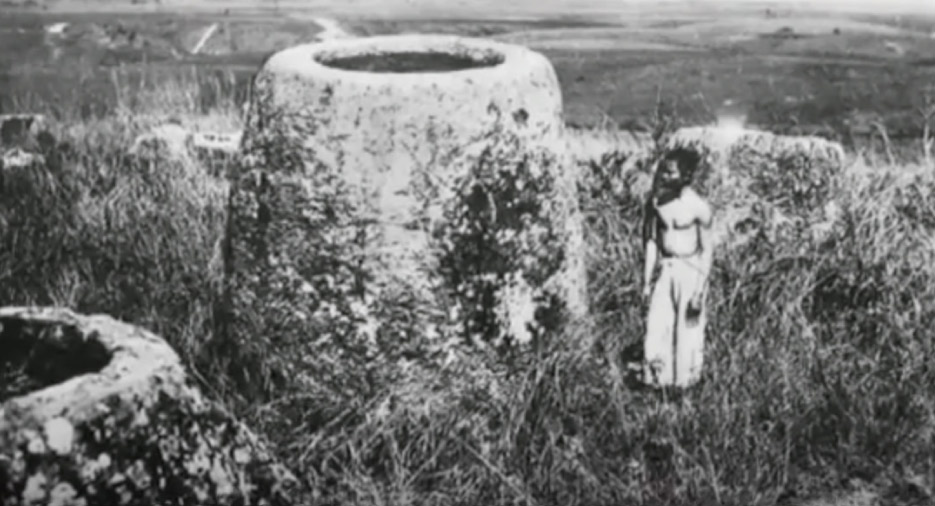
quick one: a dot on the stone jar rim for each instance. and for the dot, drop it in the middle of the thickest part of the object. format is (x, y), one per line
(136, 358)
(306, 60)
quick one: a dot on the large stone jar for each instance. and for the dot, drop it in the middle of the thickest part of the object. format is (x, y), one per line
(764, 186)
(403, 187)
(99, 412)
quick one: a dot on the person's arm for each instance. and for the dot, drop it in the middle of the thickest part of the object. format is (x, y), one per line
(650, 248)
(705, 229)
(704, 223)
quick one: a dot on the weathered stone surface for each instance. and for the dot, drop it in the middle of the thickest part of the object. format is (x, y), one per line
(17, 158)
(174, 142)
(762, 182)
(169, 141)
(98, 412)
(429, 194)
(221, 142)
(217, 151)
(19, 129)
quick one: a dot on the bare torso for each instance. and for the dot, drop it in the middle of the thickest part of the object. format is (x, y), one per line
(677, 225)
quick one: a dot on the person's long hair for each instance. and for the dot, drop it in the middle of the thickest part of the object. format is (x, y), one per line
(687, 160)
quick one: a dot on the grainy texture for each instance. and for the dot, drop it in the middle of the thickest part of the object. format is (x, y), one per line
(775, 187)
(18, 129)
(609, 163)
(98, 412)
(376, 207)
(17, 158)
(168, 141)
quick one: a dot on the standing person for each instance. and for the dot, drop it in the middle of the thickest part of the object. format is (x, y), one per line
(676, 236)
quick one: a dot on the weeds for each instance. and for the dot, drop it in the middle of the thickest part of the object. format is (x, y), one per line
(816, 378)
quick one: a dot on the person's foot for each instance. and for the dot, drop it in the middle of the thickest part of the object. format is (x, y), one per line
(633, 353)
(671, 393)
(633, 378)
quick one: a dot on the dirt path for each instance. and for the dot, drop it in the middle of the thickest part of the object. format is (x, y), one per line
(204, 38)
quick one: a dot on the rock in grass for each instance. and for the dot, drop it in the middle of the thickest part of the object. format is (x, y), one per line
(402, 187)
(170, 141)
(217, 142)
(17, 158)
(99, 412)
(759, 181)
(755, 151)
(21, 129)
(216, 150)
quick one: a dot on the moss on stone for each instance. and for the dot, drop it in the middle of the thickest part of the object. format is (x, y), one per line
(136, 432)
(361, 219)
(774, 188)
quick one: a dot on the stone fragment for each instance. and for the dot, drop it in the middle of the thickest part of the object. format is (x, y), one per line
(20, 129)
(167, 141)
(18, 158)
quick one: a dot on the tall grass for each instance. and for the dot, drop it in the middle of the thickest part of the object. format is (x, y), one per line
(99, 230)
(817, 370)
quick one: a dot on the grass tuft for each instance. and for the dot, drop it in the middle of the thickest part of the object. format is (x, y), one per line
(817, 361)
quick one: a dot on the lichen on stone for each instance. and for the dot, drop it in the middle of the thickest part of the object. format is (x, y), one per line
(80, 441)
(773, 187)
(59, 435)
(500, 243)
(360, 221)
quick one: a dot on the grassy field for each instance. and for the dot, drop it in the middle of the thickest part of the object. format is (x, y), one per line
(818, 359)
(793, 73)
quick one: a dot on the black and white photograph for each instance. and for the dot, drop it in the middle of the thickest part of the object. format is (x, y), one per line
(467, 253)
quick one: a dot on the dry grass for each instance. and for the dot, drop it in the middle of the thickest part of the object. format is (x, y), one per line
(816, 379)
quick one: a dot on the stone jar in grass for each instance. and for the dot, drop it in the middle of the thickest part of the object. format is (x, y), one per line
(776, 187)
(98, 412)
(398, 191)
